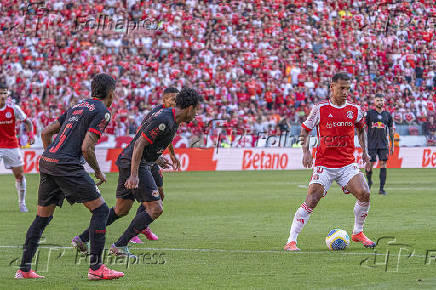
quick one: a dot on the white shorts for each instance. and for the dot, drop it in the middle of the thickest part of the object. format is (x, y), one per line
(11, 157)
(325, 176)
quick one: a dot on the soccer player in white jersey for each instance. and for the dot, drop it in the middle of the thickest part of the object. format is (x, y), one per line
(9, 148)
(335, 120)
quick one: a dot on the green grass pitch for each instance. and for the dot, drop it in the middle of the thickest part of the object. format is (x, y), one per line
(227, 229)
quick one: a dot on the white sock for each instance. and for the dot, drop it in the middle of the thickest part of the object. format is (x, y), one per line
(21, 190)
(360, 212)
(301, 218)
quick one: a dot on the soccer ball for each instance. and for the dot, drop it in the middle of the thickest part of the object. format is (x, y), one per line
(337, 239)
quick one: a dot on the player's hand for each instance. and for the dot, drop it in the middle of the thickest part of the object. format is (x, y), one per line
(367, 161)
(132, 182)
(100, 176)
(391, 150)
(162, 195)
(176, 162)
(163, 162)
(307, 159)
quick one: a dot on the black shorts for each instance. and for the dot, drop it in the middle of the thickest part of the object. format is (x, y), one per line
(157, 175)
(382, 154)
(78, 188)
(147, 188)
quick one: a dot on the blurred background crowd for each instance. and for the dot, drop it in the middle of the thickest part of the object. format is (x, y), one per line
(260, 65)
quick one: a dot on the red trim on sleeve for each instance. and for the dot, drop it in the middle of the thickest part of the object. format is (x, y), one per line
(305, 127)
(146, 138)
(174, 113)
(95, 131)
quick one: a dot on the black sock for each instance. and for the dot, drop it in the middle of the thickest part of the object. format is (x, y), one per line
(97, 234)
(33, 236)
(140, 209)
(110, 219)
(369, 176)
(139, 223)
(382, 178)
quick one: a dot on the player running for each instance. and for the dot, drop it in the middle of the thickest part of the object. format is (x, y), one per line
(168, 101)
(9, 147)
(63, 176)
(135, 179)
(379, 122)
(335, 120)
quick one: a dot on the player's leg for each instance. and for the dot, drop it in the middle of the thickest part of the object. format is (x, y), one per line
(125, 199)
(383, 156)
(359, 188)
(20, 185)
(14, 160)
(81, 188)
(318, 186)
(49, 195)
(141, 221)
(148, 194)
(373, 156)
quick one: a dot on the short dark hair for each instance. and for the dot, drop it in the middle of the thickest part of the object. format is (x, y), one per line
(340, 76)
(171, 90)
(379, 96)
(3, 86)
(188, 97)
(101, 85)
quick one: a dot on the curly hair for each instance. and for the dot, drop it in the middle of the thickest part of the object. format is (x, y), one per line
(188, 97)
(101, 85)
(171, 90)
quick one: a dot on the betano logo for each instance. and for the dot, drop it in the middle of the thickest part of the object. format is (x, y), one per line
(429, 158)
(264, 161)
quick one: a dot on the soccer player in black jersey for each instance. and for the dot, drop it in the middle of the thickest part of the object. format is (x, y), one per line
(168, 101)
(62, 175)
(379, 124)
(135, 179)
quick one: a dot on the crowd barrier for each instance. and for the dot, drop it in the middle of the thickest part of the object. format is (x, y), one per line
(235, 159)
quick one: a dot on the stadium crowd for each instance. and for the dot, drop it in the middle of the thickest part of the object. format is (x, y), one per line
(260, 65)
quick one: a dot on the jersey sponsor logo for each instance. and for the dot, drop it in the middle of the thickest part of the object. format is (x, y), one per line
(162, 126)
(8, 115)
(6, 122)
(338, 124)
(77, 112)
(378, 125)
(91, 107)
(264, 160)
(350, 114)
(73, 119)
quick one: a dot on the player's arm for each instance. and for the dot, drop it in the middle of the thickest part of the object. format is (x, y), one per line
(48, 132)
(174, 159)
(20, 115)
(363, 141)
(88, 152)
(391, 134)
(307, 126)
(138, 149)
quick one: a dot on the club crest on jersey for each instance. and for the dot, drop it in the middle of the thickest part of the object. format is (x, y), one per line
(155, 193)
(107, 117)
(8, 115)
(162, 126)
(379, 117)
(350, 114)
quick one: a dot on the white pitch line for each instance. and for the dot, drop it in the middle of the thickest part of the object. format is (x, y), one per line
(239, 251)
